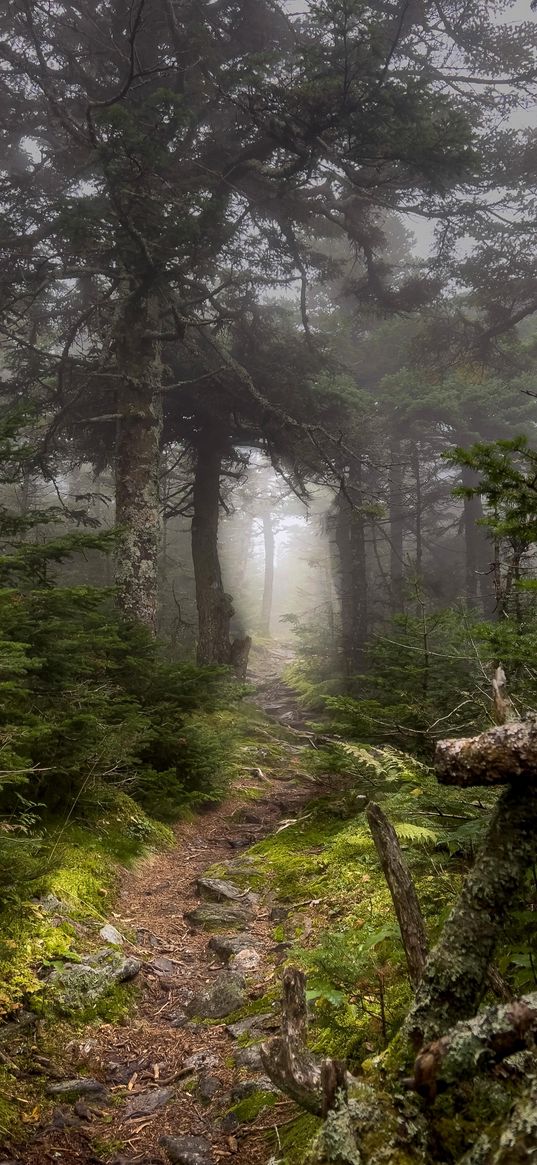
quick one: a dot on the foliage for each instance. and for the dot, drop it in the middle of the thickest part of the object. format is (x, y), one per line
(87, 702)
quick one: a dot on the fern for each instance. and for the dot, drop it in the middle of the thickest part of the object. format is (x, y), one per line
(409, 831)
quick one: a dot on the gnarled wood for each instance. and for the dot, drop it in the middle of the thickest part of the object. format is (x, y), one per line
(317, 1085)
(476, 1045)
(506, 755)
(455, 975)
(402, 890)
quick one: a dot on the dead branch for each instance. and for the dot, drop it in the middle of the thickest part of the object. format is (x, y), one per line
(401, 886)
(317, 1085)
(476, 1045)
(503, 755)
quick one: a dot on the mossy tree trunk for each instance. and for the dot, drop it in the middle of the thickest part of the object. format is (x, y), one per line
(214, 606)
(351, 551)
(139, 431)
(268, 578)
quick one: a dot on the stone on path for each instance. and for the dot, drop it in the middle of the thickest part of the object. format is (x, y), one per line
(246, 960)
(77, 985)
(148, 1103)
(81, 1086)
(226, 945)
(188, 1150)
(224, 996)
(217, 915)
(247, 1088)
(217, 890)
(200, 1060)
(110, 935)
(250, 1023)
(249, 1058)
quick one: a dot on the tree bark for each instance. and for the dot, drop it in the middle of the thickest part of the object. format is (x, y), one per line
(478, 549)
(351, 549)
(139, 432)
(214, 606)
(317, 1085)
(402, 890)
(396, 519)
(503, 755)
(476, 1045)
(455, 975)
(268, 579)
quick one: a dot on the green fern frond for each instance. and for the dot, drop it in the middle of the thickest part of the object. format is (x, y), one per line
(409, 831)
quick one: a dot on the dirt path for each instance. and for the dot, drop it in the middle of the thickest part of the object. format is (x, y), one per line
(164, 1074)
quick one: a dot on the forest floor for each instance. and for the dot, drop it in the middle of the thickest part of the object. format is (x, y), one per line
(162, 1069)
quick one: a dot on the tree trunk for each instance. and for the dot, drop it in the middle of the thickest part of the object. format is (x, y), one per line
(137, 460)
(268, 581)
(350, 543)
(402, 890)
(478, 549)
(214, 606)
(396, 518)
(455, 976)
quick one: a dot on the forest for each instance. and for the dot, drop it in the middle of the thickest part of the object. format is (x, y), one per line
(268, 582)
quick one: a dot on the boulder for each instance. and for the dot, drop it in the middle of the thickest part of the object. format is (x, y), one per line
(226, 945)
(188, 1150)
(79, 985)
(219, 915)
(221, 998)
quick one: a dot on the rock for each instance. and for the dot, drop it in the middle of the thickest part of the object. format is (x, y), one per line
(81, 1110)
(81, 1086)
(218, 915)
(63, 1119)
(225, 995)
(148, 1102)
(226, 945)
(242, 1026)
(163, 966)
(229, 1123)
(111, 935)
(51, 904)
(188, 1150)
(208, 1086)
(77, 985)
(200, 1060)
(246, 1088)
(246, 960)
(249, 1058)
(217, 890)
(279, 913)
(11, 1030)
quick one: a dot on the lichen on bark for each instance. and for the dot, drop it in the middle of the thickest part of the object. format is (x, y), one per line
(139, 431)
(455, 975)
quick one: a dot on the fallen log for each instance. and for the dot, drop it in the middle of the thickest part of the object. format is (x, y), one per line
(505, 755)
(475, 1045)
(401, 887)
(455, 976)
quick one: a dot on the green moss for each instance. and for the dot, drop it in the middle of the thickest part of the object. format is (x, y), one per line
(9, 1109)
(248, 1110)
(278, 934)
(297, 1138)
